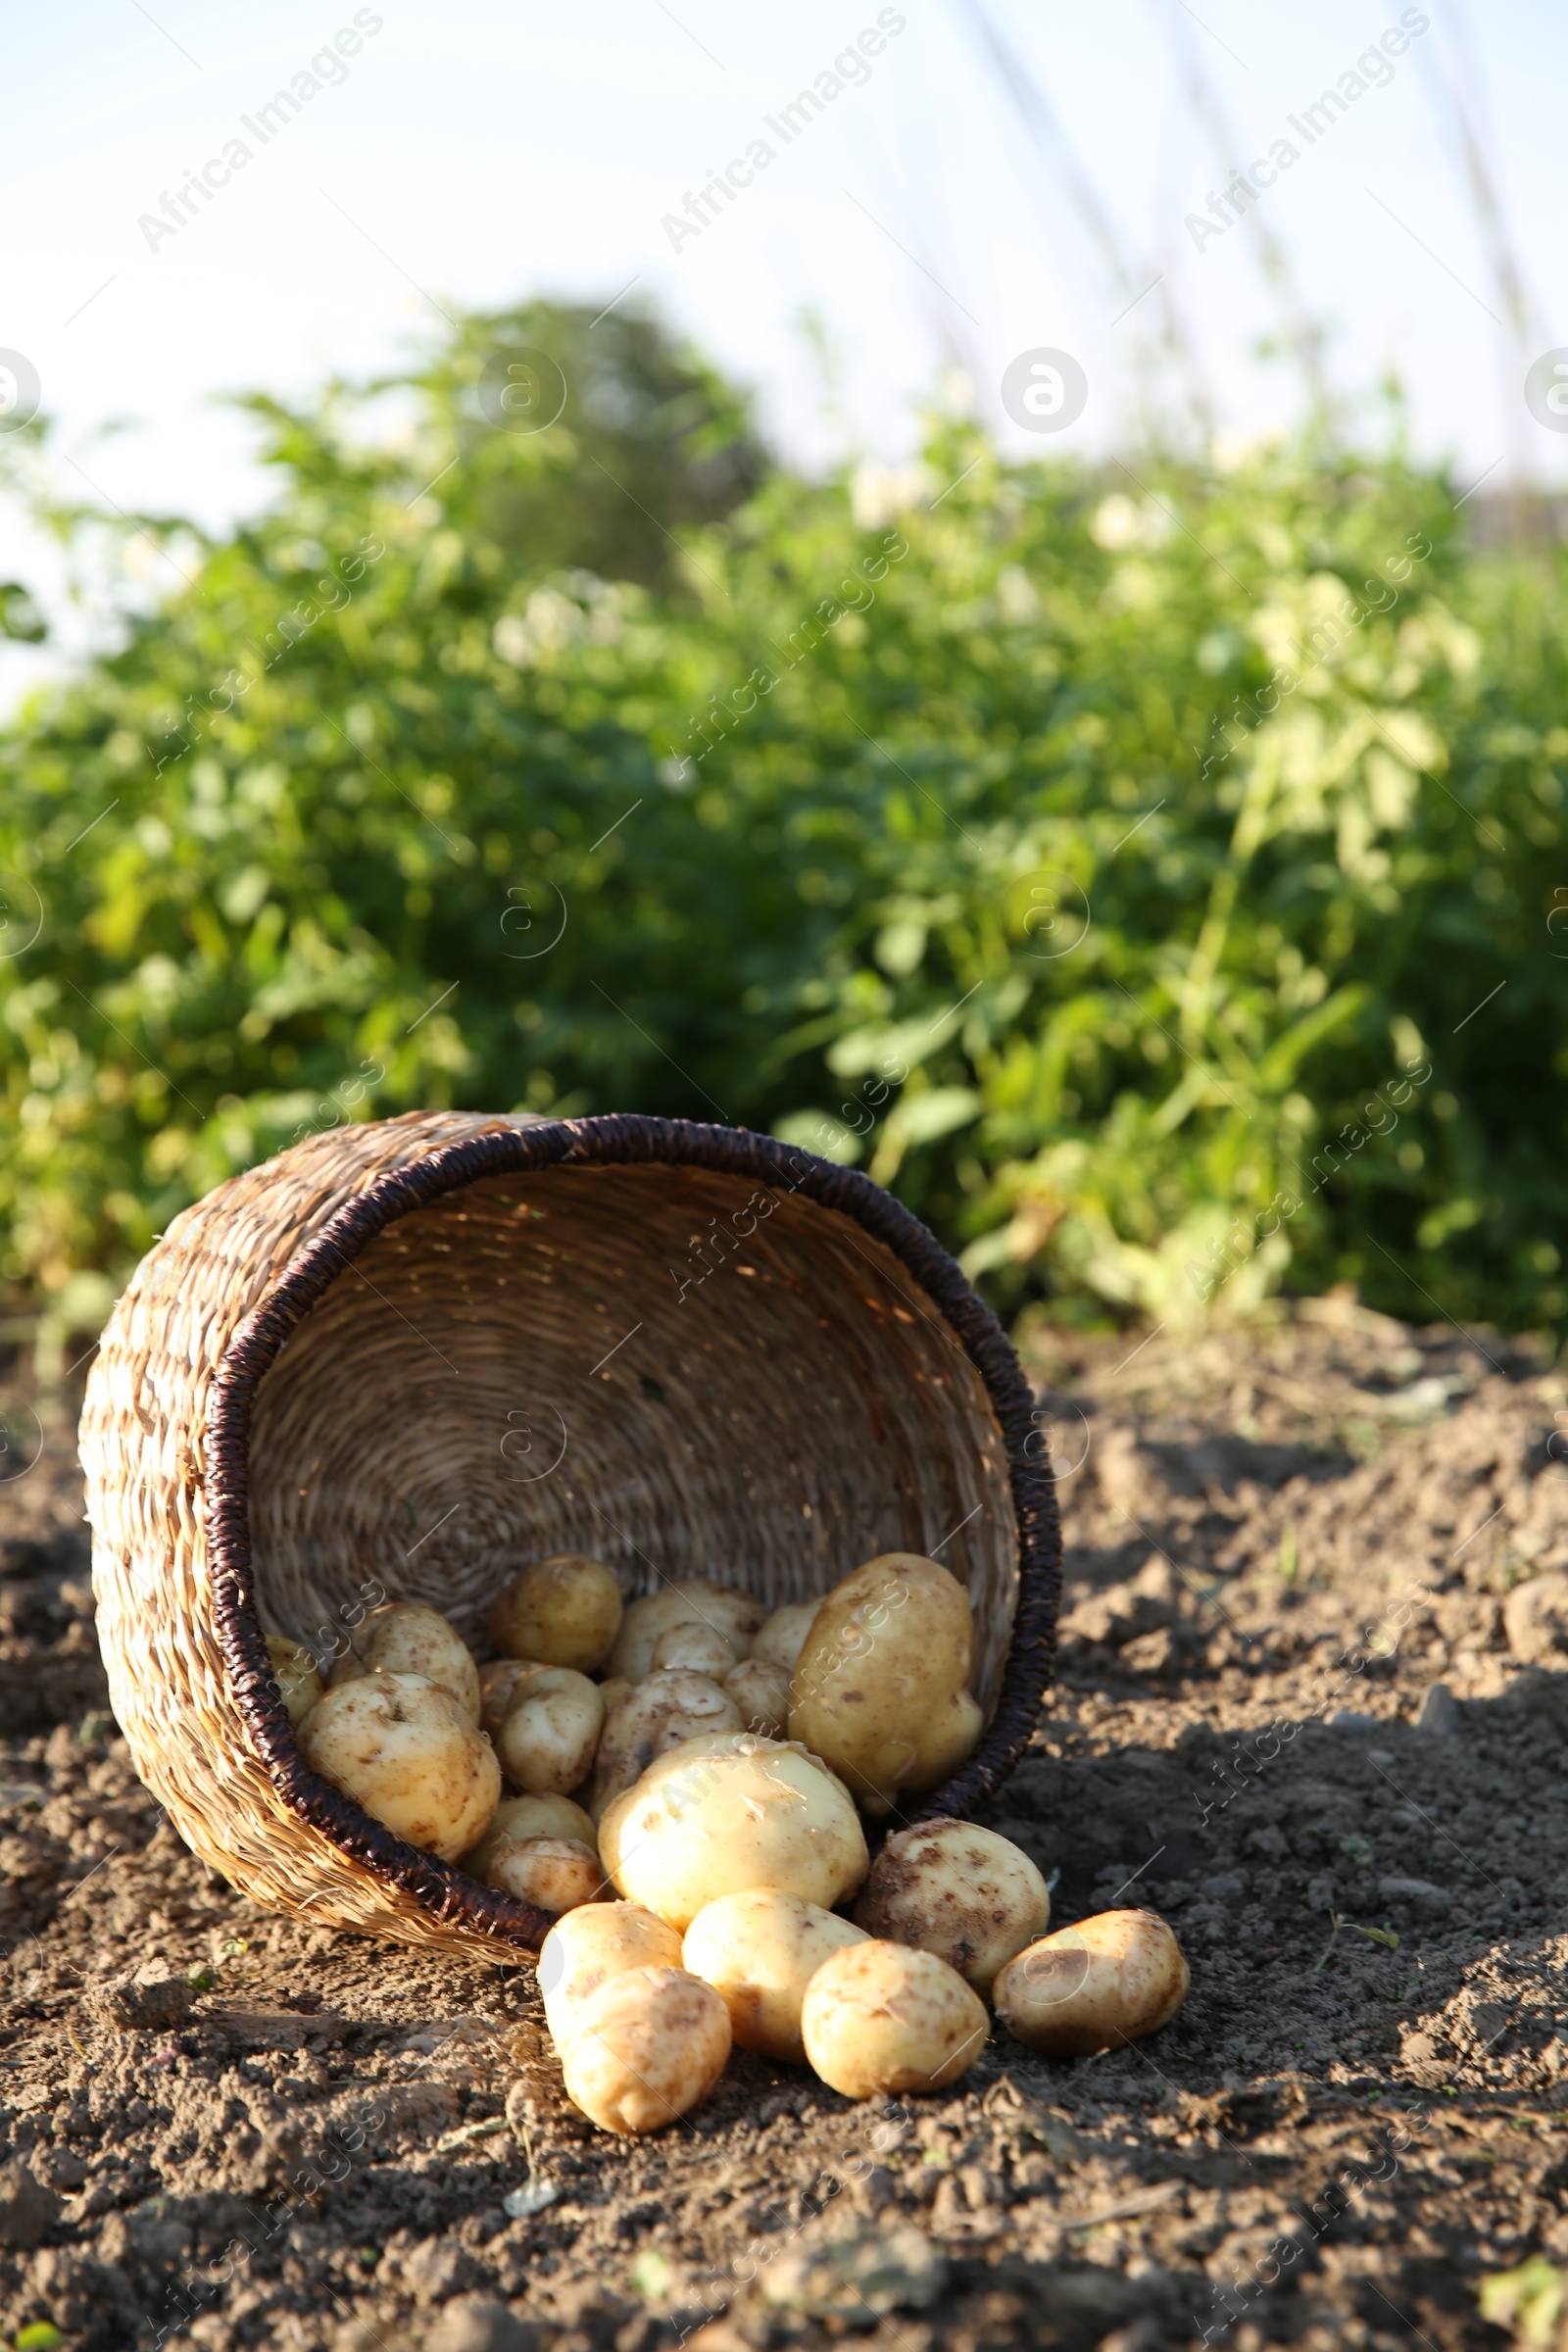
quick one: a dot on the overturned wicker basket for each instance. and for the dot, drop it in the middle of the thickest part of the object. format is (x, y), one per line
(408, 1357)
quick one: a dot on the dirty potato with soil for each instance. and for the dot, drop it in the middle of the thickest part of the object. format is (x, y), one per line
(964, 1893)
(879, 1688)
(410, 1755)
(1098, 1985)
(878, 2017)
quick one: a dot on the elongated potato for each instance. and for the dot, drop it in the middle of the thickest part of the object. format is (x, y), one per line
(878, 1689)
(518, 1817)
(299, 1679)
(645, 2047)
(735, 1616)
(879, 2017)
(763, 1694)
(760, 1949)
(591, 1944)
(1098, 1985)
(763, 1813)
(556, 1873)
(964, 1893)
(407, 1638)
(660, 1713)
(548, 1741)
(783, 1637)
(406, 1752)
(564, 1611)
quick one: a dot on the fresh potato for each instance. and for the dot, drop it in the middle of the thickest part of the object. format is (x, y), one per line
(694, 1648)
(519, 1817)
(735, 1616)
(760, 1949)
(645, 2047)
(763, 1694)
(761, 1813)
(298, 1677)
(1095, 1987)
(556, 1873)
(660, 1713)
(591, 1944)
(403, 1637)
(564, 1611)
(498, 1687)
(548, 1737)
(878, 1689)
(408, 1753)
(966, 1894)
(878, 2017)
(783, 1637)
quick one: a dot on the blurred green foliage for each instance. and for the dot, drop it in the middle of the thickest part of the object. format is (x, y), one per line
(1149, 871)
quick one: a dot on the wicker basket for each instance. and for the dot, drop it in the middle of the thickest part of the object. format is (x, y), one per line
(408, 1357)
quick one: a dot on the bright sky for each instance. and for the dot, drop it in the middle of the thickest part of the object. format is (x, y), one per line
(471, 153)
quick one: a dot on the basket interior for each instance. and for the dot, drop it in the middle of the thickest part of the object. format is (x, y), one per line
(516, 1370)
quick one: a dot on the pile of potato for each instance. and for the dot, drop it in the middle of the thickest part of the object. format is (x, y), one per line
(715, 1778)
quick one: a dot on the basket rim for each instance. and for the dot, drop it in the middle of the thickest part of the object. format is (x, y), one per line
(444, 1891)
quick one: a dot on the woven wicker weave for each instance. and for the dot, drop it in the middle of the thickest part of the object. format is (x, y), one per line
(411, 1356)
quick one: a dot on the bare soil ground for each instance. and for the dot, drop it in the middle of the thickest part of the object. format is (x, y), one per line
(1288, 1715)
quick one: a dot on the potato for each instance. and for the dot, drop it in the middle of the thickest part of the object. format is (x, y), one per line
(660, 1713)
(760, 1950)
(783, 1637)
(736, 1616)
(407, 1638)
(591, 1944)
(519, 1817)
(760, 1813)
(1095, 1987)
(645, 2047)
(879, 2017)
(298, 1677)
(694, 1648)
(498, 1687)
(548, 1741)
(878, 1689)
(763, 1694)
(619, 1686)
(556, 1873)
(406, 1750)
(966, 1894)
(565, 1611)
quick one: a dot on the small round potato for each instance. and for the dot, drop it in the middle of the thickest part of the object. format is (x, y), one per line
(760, 1950)
(406, 1637)
(764, 1813)
(548, 1739)
(660, 1713)
(878, 2017)
(556, 1873)
(695, 1648)
(565, 1611)
(591, 1944)
(763, 1694)
(498, 1687)
(878, 1689)
(519, 1817)
(406, 1750)
(783, 1637)
(1094, 1986)
(735, 1616)
(645, 2047)
(299, 1679)
(966, 1894)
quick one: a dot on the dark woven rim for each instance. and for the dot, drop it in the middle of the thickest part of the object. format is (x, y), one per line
(450, 1895)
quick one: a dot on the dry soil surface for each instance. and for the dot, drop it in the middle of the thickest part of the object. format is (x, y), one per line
(1305, 1708)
